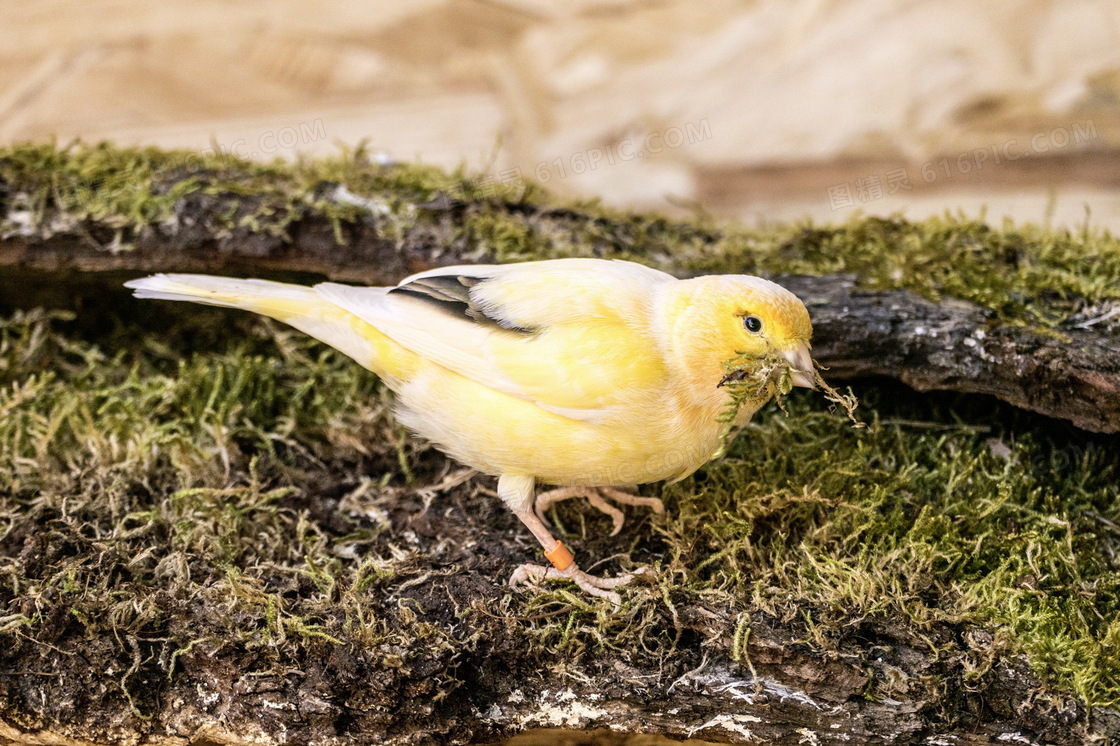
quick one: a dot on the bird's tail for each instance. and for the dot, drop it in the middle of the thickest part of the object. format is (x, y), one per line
(297, 305)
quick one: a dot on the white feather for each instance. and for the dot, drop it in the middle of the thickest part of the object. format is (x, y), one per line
(307, 311)
(227, 292)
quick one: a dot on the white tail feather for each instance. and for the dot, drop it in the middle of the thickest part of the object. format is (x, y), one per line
(297, 305)
(228, 292)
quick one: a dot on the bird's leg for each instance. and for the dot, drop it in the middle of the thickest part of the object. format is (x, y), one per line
(564, 566)
(595, 496)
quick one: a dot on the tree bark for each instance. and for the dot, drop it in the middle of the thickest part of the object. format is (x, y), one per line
(1072, 375)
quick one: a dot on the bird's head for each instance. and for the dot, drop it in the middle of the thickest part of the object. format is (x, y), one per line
(713, 319)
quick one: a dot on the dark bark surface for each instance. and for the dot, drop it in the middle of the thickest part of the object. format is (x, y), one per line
(957, 346)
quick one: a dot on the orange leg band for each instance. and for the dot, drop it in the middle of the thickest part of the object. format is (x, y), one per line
(560, 557)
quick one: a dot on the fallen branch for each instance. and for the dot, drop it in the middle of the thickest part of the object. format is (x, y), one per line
(1067, 373)
(1072, 374)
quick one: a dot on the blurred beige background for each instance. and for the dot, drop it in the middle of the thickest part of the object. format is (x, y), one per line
(764, 111)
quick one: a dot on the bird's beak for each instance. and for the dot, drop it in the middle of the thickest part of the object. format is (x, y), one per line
(801, 366)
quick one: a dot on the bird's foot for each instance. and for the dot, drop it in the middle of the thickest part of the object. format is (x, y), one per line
(597, 497)
(591, 584)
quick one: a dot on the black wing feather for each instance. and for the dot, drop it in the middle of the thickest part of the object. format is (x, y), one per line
(452, 295)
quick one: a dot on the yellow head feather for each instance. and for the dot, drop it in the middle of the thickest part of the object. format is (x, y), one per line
(706, 324)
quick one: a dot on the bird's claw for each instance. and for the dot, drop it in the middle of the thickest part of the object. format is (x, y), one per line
(619, 496)
(595, 496)
(590, 584)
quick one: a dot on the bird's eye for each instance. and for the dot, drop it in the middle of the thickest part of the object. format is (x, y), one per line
(753, 324)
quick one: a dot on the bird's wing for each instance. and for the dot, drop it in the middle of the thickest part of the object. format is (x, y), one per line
(572, 335)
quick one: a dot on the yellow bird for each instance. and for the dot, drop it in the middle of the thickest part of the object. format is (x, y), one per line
(584, 374)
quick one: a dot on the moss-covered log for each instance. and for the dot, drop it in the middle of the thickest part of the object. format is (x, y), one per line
(1022, 316)
(211, 530)
(1071, 373)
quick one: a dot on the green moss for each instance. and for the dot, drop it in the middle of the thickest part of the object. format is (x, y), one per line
(128, 524)
(497, 235)
(922, 524)
(135, 190)
(258, 495)
(1023, 274)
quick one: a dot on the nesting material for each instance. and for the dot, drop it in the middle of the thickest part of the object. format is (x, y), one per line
(753, 381)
